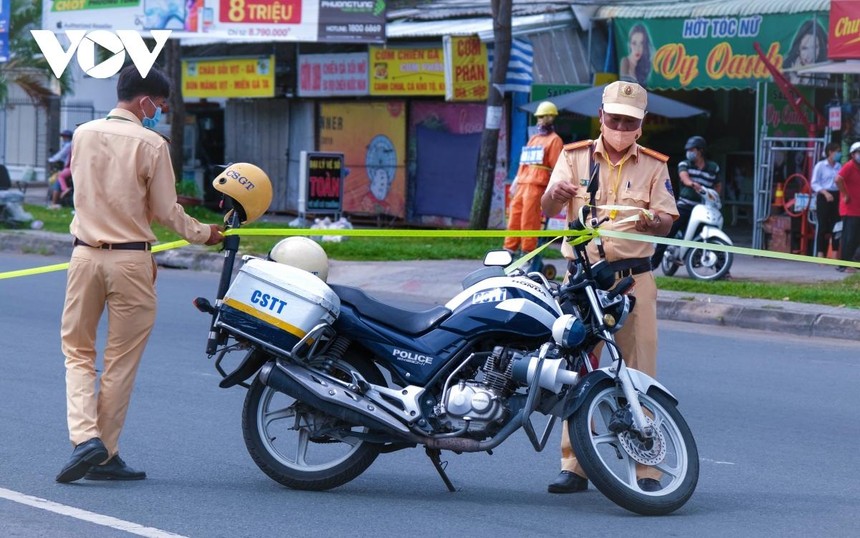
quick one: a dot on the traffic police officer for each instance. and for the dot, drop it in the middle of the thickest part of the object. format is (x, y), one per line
(629, 175)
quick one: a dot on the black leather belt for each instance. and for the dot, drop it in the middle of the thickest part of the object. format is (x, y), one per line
(630, 267)
(140, 245)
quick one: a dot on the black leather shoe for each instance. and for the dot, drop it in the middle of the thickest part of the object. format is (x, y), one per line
(649, 484)
(84, 456)
(568, 482)
(114, 469)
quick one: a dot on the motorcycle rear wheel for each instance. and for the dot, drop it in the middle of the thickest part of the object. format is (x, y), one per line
(668, 264)
(705, 264)
(302, 447)
(606, 456)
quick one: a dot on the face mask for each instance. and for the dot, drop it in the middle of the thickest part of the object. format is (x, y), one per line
(148, 122)
(620, 140)
(691, 155)
(837, 156)
(857, 159)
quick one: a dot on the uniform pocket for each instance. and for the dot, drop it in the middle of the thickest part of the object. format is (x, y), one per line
(636, 198)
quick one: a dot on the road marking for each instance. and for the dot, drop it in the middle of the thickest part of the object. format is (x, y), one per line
(718, 462)
(84, 515)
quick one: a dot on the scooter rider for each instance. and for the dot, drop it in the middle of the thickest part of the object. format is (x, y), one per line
(694, 172)
(629, 175)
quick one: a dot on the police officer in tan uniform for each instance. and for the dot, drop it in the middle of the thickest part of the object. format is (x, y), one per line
(123, 181)
(629, 175)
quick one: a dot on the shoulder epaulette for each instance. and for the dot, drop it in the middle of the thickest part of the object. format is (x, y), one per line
(656, 154)
(577, 145)
(165, 137)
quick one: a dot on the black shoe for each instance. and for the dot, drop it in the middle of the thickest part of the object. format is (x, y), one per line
(114, 469)
(568, 482)
(84, 456)
(649, 484)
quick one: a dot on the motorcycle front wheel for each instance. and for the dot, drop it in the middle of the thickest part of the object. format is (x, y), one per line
(705, 264)
(615, 462)
(302, 447)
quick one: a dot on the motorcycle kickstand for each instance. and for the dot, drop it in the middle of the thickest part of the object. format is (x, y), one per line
(433, 454)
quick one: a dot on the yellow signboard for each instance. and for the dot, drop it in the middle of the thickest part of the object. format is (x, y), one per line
(401, 71)
(229, 77)
(466, 68)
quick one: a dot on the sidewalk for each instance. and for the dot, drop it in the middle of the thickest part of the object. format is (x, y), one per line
(435, 282)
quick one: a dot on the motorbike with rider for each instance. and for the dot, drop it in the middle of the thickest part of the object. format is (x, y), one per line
(335, 377)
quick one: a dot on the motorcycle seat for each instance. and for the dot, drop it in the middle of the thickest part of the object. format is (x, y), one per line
(405, 321)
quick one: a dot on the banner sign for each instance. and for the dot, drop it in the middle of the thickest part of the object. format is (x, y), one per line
(779, 115)
(406, 71)
(357, 21)
(844, 30)
(110, 15)
(717, 52)
(326, 75)
(466, 68)
(321, 183)
(229, 77)
(5, 16)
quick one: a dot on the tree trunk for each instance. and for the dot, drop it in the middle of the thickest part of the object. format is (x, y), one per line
(177, 106)
(490, 137)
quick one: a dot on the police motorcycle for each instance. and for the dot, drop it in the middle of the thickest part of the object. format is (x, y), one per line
(705, 226)
(335, 377)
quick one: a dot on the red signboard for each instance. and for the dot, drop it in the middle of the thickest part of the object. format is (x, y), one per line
(844, 42)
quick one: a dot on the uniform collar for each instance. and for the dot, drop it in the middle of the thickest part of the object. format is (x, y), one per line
(632, 151)
(121, 113)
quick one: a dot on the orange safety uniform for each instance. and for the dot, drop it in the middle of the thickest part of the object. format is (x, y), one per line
(536, 164)
(640, 179)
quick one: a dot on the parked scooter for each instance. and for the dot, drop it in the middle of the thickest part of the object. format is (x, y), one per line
(705, 226)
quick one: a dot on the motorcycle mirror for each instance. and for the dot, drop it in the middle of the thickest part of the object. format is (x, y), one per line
(498, 258)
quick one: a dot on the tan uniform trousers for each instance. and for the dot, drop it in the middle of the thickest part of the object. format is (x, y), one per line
(525, 215)
(638, 343)
(124, 280)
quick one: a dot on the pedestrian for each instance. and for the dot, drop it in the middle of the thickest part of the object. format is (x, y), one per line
(123, 181)
(826, 195)
(537, 159)
(60, 158)
(629, 175)
(694, 172)
(848, 183)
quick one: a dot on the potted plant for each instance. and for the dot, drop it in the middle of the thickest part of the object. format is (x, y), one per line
(188, 193)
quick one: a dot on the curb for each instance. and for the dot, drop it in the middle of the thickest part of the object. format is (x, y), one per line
(774, 316)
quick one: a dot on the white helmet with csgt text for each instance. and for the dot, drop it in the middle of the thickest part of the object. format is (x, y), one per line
(302, 253)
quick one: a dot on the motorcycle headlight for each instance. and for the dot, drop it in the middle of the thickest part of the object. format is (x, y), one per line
(568, 331)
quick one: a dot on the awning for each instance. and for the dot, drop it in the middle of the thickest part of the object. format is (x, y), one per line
(832, 67)
(710, 8)
(483, 27)
(587, 102)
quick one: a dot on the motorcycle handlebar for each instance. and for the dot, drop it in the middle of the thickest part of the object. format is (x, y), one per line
(622, 287)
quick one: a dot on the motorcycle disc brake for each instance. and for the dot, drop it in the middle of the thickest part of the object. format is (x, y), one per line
(648, 452)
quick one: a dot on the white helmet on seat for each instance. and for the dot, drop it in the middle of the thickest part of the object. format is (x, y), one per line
(302, 253)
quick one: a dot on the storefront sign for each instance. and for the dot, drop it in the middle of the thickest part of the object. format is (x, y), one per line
(835, 118)
(781, 118)
(717, 52)
(111, 15)
(466, 69)
(844, 30)
(326, 75)
(355, 21)
(229, 77)
(321, 183)
(402, 71)
(5, 15)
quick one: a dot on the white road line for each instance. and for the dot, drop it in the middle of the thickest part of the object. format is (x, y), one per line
(718, 462)
(92, 517)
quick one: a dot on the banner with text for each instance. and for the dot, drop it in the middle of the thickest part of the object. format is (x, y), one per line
(321, 183)
(844, 30)
(466, 68)
(717, 52)
(229, 77)
(406, 71)
(5, 17)
(327, 75)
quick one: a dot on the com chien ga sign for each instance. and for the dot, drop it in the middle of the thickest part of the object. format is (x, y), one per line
(82, 44)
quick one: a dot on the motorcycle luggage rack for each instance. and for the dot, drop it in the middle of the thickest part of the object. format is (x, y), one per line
(314, 343)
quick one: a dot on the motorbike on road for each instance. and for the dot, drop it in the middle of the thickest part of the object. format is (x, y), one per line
(336, 377)
(705, 226)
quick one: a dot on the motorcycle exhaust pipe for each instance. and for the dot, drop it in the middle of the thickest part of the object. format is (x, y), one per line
(332, 398)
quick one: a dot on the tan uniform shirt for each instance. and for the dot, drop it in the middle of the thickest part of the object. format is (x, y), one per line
(640, 179)
(123, 182)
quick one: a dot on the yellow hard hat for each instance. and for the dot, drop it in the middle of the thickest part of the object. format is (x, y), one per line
(546, 109)
(249, 187)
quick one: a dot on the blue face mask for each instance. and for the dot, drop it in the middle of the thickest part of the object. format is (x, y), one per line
(691, 155)
(148, 122)
(837, 156)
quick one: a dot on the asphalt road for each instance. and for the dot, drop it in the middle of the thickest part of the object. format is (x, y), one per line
(775, 418)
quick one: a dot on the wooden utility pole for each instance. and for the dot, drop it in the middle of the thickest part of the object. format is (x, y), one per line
(490, 138)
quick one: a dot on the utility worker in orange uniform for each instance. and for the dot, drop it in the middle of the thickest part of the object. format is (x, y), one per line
(633, 176)
(537, 160)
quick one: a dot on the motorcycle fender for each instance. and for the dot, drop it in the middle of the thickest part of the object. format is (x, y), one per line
(597, 379)
(709, 232)
(249, 366)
